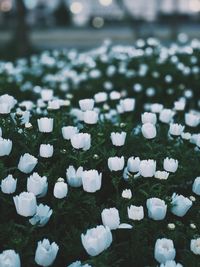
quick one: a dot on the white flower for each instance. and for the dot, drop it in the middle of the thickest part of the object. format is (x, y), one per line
(114, 95)
(147, 168)
(171, 263)
(196, 186)
(46, 150)
(90, 117)
(170, 165)
(27, 163)
(156, 208)
(45, 125)
(179, 105)
(110, 218)
(8, 100)
(118, 139)
(100, 97)
(195, 246)
(91, 181)
(86, 104)
(8, 185)
(156, 108)
(77, 113)
(96, 240)
(126, 193)
(191, 120)
(164, 250)
(9, 258)
(162, 175)
(81, 141)
(42, 216)
(186, 136)
(148, 131)
(78, 264)
(125, 226)
(180, 205)
(116, 163)
(0, 132)
(54, 104)
(133, 164)
(37, 185)
(176, 129)
(5, 147)
(166, 115)
(46, 94)
(127, 104)
(25, 204)
(4, 108)
(46, 253)
(135, 213)
(149, 117)
(60, 189)
(74, 177)
(69, 131)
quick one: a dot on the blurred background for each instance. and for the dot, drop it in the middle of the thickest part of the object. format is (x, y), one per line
(28, 26)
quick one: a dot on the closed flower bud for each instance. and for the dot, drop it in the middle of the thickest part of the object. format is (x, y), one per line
(74, 177)
(149, 117)
(27, 163)
(166, 115)
(176, 129)
(90, 117)
(114, 95)
(45, 125)
(149, 131)
(37, 185)
(25, 204)
(191, 120)
(60, 189)
(135, 213)
(196, 186)
(156, 108)
(126, 193)
(133, 164)
(9, 258)
(54, 104)
(110, 218)
(81, 141)
(179, 105)
(5, 147)
(46, 150)
(46, 94)
(156, 208)
(46, 253)
(100, 97)
(170, 165)
(8, 185)
(180, 205)
(91, 181)
(86, 104)
(118, 139)
(116, 163)
(164, 250)
(162, 175)
(69, 131)
(147, 168)
(127, 104)
(96, 240)
(42, 216)
(195, 246)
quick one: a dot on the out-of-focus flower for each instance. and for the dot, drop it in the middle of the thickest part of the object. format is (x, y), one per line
(100, 97)
(164, 250)
(0, 132)
(147, 168)
(5, 147)
(176, 129)
(126, 193)
(46, 253)
(171, 226)
(74, 177)
(37, 184)
(196, 186)
(60, 189)
(127, 104)
(135, 213)
(90, 117)
(9, 258)
(116, 163)
(118, 139)
(195, 246)
(91, 181)
(186, 136)
(46, 94)
(81, 141)
(45, 125)
(156, 108)
(25, 204)
(9, 100)
(86, 104)
(170, 165)
(69, 131)
(110, 218)
(179, 105)
(171, 264)
(133, 164)
(162, 175)
(166, 115)
(114, 95)
(27, 163)
(78, 264)
(46, 150)
(180, 205)
(191, 120)
(42, 216)
(96, 240)
(149, 117)
(149, 130)
(8, 185)
(156, 208)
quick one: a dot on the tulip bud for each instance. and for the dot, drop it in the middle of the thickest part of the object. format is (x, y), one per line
(110, 218)
(171, 264)
(133, 164)
(9, 258)
(170, 165)
(180, 205)
(135, 213)
(164, 250)
(156, 208)
(5, 147)
(25, 204)
(90, 117)
(46, 94)
(195, 246)
(81, 141)
(149, 117)
(196, 186)
(37, 185)
(27, 163)
(46, 150)
(162, 175)
(156, 108)
(176, 129)
(69, 131)
(192, 120)
(45, 125)
(127, 104)
(91, 181)
(118, 139)
(116, 163)
(100, 97)
(74, 177)
(42, 216)
(126, 193)
(86, 104)
(166, 115)
(147, 168)
(149, 131)
(8, 185)
(60, 189)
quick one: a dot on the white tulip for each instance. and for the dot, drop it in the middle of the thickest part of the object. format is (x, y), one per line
(157, 208)
(127, 104)
(176, 129)
(86, 104)
(118, 139)
(100, 97)
(9, 258)
(46, 150)
(8, 100)
(133, 164)
(195, 246)
(74, 177)
(5, 147)
(8, 185)
(147, 168)
(37, 185)
(90, 117)
(166, 115)
(46, 253)
(60, 189)
(27, 163)
(116, 163)
(149, 117)
(25, 204)
(164, 250)
(45, 125)
(69, 131)
(171, 263)
(78, 264)
(196, 186)
(91, 181)
(192, 120)
(42, 216)
(110, 218)
(135, 213)
(156, 108)
(162, 175)
(47, 94)
(126, 193)
(170, 165)
(149, 131)
(81, 141)
(180, 205)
